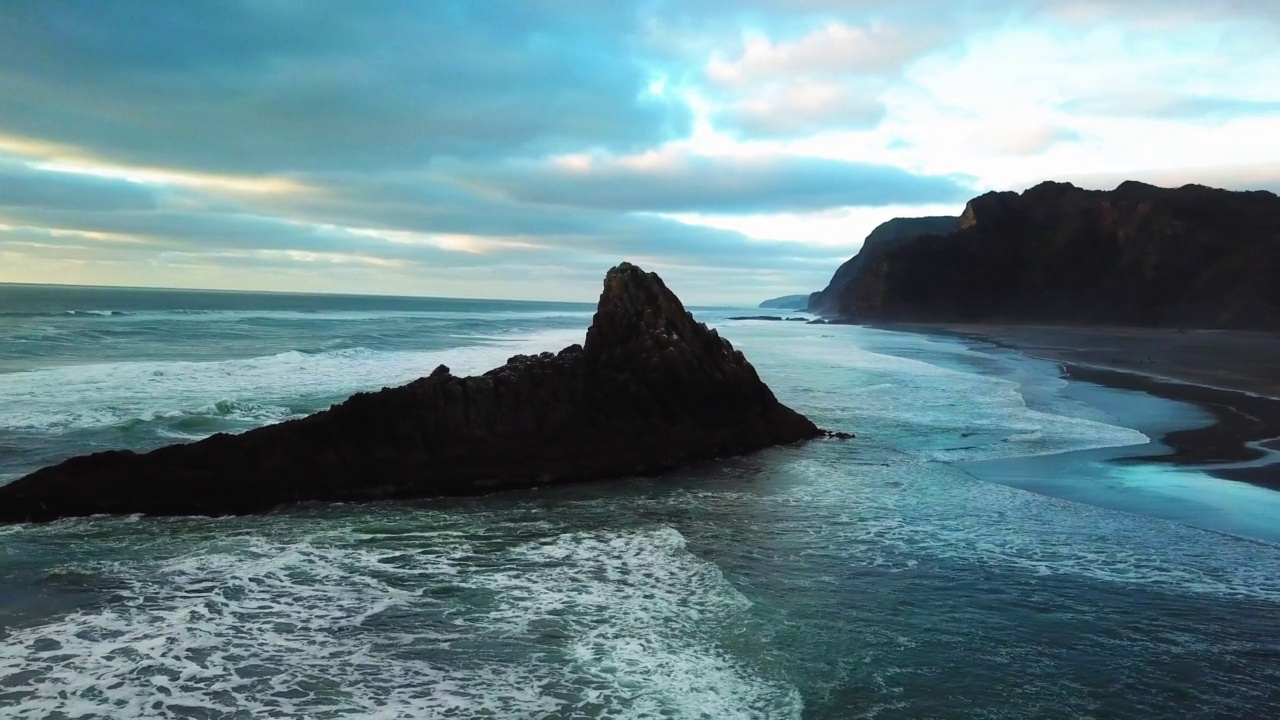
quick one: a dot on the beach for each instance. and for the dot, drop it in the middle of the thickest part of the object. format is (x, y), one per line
(1230, 374)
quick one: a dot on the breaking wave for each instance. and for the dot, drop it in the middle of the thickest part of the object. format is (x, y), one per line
(248, 391)
(394, 619)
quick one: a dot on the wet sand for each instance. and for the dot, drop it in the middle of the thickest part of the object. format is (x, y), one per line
(1233, 375)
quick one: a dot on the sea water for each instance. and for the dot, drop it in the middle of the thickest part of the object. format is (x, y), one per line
(894, 576)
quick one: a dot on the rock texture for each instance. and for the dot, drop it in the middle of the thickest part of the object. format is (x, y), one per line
(886, 235)
(1136, 255)
(649, 390)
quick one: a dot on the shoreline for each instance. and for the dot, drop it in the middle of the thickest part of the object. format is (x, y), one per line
(1243, 442)
(1229, 447)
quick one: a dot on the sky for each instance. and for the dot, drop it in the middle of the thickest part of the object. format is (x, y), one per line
(742, 149)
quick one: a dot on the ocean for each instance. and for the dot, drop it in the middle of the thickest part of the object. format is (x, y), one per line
(988, 547)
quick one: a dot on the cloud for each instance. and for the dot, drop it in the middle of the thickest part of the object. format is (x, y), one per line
(1162, 14)
(1026, 138)
(790, 110)
(470, 230)
(675, 181)
(264, 87)
(834, 50)
(830, 78)
(481, 148)
(22, 186)
(1172, 106)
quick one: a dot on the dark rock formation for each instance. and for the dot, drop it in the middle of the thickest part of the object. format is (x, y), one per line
(650, 389)
(786, 302)
(1136, 255)
(886, 235)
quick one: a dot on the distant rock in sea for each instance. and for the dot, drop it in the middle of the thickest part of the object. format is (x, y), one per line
(786, 302)
(1137, 255)
(651, 389)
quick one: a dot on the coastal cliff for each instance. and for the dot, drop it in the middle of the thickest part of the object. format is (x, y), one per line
(1136, 255)
(786, 302)
(828, 301)
(650, 389)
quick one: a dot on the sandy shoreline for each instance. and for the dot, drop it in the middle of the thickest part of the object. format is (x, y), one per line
(1233, 375)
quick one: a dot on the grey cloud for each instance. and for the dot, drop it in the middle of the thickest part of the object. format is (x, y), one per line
(180, 220)
(1172, 106)
(424, 204)
(203, 231)
(1030, 140)
(830, 75)
(274, 86)
(21, 186)
(552, 235)
(1156, 11)
(280, 86)
(557, 275)
(716, 184)
(781, 114)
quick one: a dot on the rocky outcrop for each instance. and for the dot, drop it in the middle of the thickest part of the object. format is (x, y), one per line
(649, 390)
(786, 302)
(1136, 255)
(886, 235)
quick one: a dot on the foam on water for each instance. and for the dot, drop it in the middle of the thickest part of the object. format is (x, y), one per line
(253, 390)
(380, 622)
(899, 515)
(934, 400)
(96, 313)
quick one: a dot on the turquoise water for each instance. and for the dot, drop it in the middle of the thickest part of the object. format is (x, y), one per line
(972, 554)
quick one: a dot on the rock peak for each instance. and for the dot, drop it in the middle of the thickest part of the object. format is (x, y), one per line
(637, 312)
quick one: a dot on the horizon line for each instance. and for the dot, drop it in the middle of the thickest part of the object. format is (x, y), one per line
(305, 293)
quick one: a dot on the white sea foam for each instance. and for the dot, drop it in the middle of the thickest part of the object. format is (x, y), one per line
(406, 625)
(253, 390)
(901, 514)
(911, 402)
(96, 313)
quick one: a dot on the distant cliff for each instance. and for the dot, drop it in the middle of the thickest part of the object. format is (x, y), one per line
(1138, 255)
(886, 235)
(787, 302)
(650, 389)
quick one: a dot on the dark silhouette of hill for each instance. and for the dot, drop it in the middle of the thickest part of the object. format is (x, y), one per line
(886, 235)
(1136, 255)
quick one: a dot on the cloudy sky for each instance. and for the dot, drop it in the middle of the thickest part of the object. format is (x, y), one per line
(742, 148)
